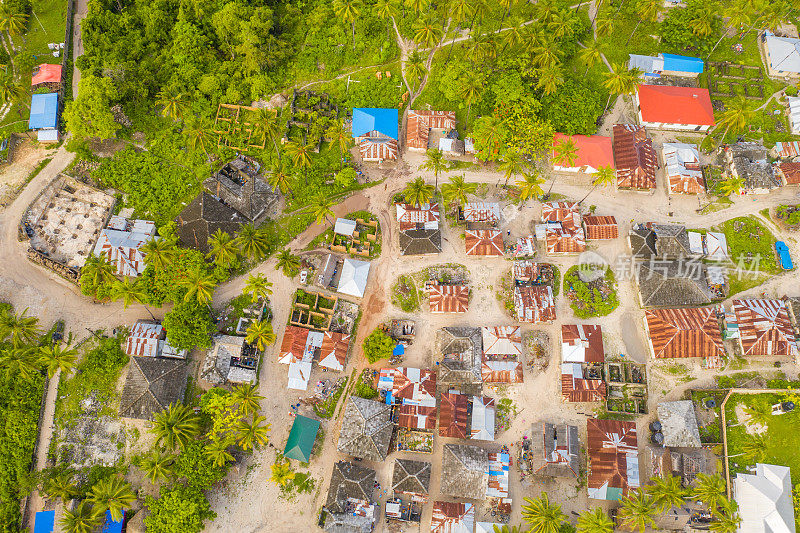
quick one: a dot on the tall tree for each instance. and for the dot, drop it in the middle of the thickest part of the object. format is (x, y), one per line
(648, 11)
(13, 23)
(60, 484)
(736, 116)
(339, 137)
(83, 519)
(252, 243)
(222, 248)
(260, 334)
(620, 81)
(278, 179)
(288, 263)
(590, 55)
(199, 285)
(348, 11)
(436, 163)
(97, 271)
(456, 190)
(418, 192)
(543, 516)
(246, 398)
(158, 252)
(301, 157)
(282, 473)
(549, 79)
(595, 521)
(605, 176)
(530, 186)
(727, 520)
(198, 132)
(11, 90)
(172, 102)
(759, 413)
(112, 494)
(469, 88)
(427, 32)
(58, 357)
(565, 152)
(511, 164)
(667, 492)
(19, 362)
(217, 451)
(156, 466)
(129, 291)
(321, 209)
(252, 433)
(731, 185)
(415, 68)
(258, 287)
(175, 426)
(637, 511)
(269, 127)
(20, 328)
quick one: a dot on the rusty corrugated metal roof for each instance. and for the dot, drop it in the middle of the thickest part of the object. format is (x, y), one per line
(453, 416)
(613, 450)
(448, 298)
(483, 242)
(691, 332)
(635, 157)
(601, 227)
(765, 328)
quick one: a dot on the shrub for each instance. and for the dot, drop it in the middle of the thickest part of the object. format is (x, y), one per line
(378, 345)
(404, 294)
(593, 298)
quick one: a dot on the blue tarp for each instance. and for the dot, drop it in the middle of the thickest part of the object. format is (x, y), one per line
(783, 255)
(44, 522)
(111, 526)
(44, 111)
(381, 120)
(399, 349)
(678, 63)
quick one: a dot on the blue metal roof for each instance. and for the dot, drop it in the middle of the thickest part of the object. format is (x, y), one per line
(44, 111)
(44, 522)
(110, 526)
(783, 255)
(678, 63)
(370, 119)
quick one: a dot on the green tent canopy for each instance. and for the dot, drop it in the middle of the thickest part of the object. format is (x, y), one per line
(301, 439)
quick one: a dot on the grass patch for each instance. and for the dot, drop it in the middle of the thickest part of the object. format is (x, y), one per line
(364, 387)
(592, 298)
(405, 294)
(326, 408)
(751, 242)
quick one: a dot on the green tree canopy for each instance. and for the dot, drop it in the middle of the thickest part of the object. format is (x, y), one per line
(89, 115)
(178, 508)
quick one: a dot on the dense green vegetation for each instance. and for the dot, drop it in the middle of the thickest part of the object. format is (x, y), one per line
(597, 296)
(378, 345)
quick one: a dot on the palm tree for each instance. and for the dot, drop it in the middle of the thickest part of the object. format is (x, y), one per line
(175, 426)
(340, 137)
(387, 9)
(279, 180)
(61, 484)
(515, 34)
(158, 252)
(252, 243)
(98, 270)
(549, 79)
(19, 329)
(505, 528)
(322, 210)
(260, 334)
(415, 67)
(728, 520)
(731, 185)
(457, 189)
(710, 490)
(301, 157)
(288, 263)
(468, 89)
(82, 520)
(620, 81)
(736, 117)
(156, 466)
(436, 163)
(57, 357)
(647, 10)
(417, 6)
(543, 516)
(13, 23)
(605, 24)
(530, 186)
(281, 473)
(604, 177)
(222, 248)
(637, 511)
(754, 448)
(427, 32)
(257, 287)
(702, 21)
(268, 127)
(217, 451)
(113, 494)
(10, 89)
(590, 55)
(511, 164)
(250, 434)
(760, 413)
(418, 192)
(666, 492)
(246, 397)
(19, 362)
(348, 11)
(172, 102)
(128, 290)
(198, 132)
(199, 284)
(595, 521)
(565, 152)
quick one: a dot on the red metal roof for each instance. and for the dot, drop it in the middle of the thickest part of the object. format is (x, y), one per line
(483, 242)
(453, 416)
(601, 227)
(449, 298)
(676, 105)
(580, 389)
(692, 332)
(765, 328)
(593, 150)
(590, 337)
(294, 342)
(635, 157)
(47, 73)
(791, 172)
(611, 445)
(417, 417)
(420, 122)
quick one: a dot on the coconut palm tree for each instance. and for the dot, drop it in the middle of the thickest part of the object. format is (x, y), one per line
(456, 190)
(590, 55)
(667, 492)
(418, 192)
(469, 87)
(199, 284)
(13, 23)
(222, 248)
(515, 34)
(543, 516)
(637, 511)
(760, 413)
(83, 519)
(340, 137)
(321, 209)
(252, 243)
(158, 252)
(112, 494)
(19, 362)
(10, 89)
(620, 81)
(257, 287)
(648, 11)
(702, 21)
(511, 164)
(565, 152)
(348, 11)
(282, 473)
(288, 263)
(252, 433)
(217, 451)
(710, 490)
(60, 484)
(269, 127)
(260, 334)
(595, 521)
(156, 466)
(728, 519)
(57, 357)
(549, 79)
(279, 180)
(175, 426)
(605, 176)
(754, 448)
(605, 24)
(172, 103)
(436, 163)
(505, 528)
(417, 6)
(530, 186)
(246, 397)
(736, 117)
(20, 329)
(128, 290)
(427, 32)
(731, 185)
(301, 157)
(386, 10)
(97, 271)
(415, 67)
(198, 133)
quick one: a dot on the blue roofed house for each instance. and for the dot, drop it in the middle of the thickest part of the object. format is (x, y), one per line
(782, 55)
(375, 130)
(667, 65)
(44, 116)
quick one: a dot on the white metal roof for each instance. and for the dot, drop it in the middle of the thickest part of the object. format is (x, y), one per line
(784, 53)
(765, 500)
(344, 226)
(354, 277)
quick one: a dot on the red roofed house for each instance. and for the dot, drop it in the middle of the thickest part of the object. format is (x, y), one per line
(414, 389)
(448, 298)
(578, 386)
(674, 108)
(420, 123)
(600, 227)
(47, 74)
(452, 517)
(613, 450)
(333, 353)
(535, 304)
(483, 242)
(502, 354)
(594, 151)
(789, 172)
(561, 232)
(453, 415)
(582, 343)
(635, 157)
(765, 328)
(691, 332)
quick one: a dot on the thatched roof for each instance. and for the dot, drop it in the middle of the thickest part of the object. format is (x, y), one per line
(366, 429)
(465, 471)
(152, 384)
(462, 348)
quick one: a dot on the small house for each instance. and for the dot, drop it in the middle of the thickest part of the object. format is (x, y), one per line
(679, 424)
(673, 284)
(375, 131)
(484, 242)
(593, 152)
(465, 472)
(666, 65)
(635, 158)
(748, 161)
(553, 450)
(534, 304)
(582, 383)
(44, 116)
(151, 385)
(613, 450)
(425, 128)
(350, 505)
(600, 228)
(582, 343)
(367, 429)
(462, 352)
(353, 280)
(203, 217)
(674, 108)
(781, 55)
(149, 339)
(682, 163)
(685, 332)
(789, 172)
(419, 229)
(502, 354)
(765, 329)
(452, 517)
(301, 439)
(448, 298)
(121, 243)
(230, 359)
(764, 499)
(46, 75)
